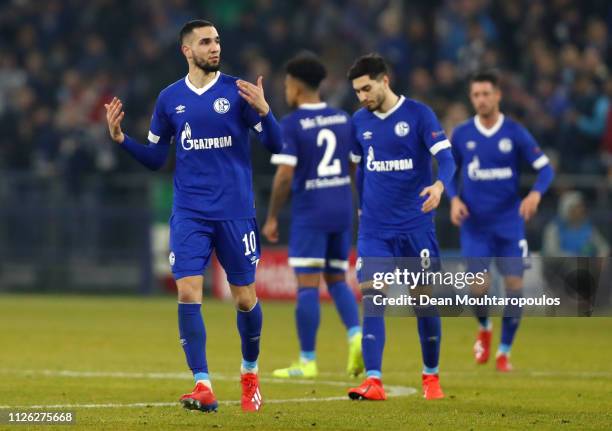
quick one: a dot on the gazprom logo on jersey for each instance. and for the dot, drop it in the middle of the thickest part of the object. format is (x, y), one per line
(387, 165)
(477, 174)
(202, 143)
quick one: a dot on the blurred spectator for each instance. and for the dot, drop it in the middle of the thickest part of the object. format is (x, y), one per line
(585, 123)
(571, 233)
(607, 137)
(456, 113)
(59, 62)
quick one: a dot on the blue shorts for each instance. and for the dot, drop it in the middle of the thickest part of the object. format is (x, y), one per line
(387, 251)
(508, 247)
(193, 239)
(312, 251)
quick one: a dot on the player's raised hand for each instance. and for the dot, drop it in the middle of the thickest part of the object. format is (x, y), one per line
(435, 193)
(529, 205)
(114, 115)
(270, 230)
(459, 211)
(254, 95)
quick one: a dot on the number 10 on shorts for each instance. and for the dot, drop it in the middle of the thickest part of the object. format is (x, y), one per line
(250, 243)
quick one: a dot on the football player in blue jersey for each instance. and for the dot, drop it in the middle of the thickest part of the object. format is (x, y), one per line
(396, 139)
(489, 149)
(209, 115)
(314, 166)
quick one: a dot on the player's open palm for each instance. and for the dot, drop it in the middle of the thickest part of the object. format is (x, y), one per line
(459, 211)
(270, 230)
(529, 205)
(254, 95)
(434, 193)
(114, 116)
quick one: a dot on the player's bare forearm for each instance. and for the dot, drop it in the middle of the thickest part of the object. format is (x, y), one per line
(280, 190)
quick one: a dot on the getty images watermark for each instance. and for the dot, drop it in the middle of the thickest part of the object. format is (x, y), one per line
(539, 286)
(457, 280)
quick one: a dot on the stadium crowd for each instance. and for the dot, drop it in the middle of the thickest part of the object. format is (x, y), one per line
(61, 60)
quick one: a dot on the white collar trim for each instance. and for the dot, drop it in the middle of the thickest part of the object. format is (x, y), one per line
(493, 130)
(383, 115)
(200, 91)
(313, 106)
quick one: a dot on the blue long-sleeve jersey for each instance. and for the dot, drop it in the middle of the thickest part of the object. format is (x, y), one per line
(489, 163)
(210, 127)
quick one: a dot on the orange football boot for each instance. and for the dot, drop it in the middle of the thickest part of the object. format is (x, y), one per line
(202, 398)
(251, 396)
(371, 389)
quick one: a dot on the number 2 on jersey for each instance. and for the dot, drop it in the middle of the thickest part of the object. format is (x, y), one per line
(327, 166)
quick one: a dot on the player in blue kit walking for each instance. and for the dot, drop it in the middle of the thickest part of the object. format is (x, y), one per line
(314, 164)
(396, 139)
(209, 115)
(489, 150)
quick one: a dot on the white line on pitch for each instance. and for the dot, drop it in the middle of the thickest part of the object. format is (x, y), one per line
(176, 404)
(176, 376)
(392, 391)
(223, 377)
(527, 372)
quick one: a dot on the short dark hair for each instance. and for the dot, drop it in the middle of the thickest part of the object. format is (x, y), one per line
(372, 65)
(307, 68)
(491, 76)
(190, 25)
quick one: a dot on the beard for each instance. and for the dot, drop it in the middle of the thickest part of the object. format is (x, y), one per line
(378, 103)
(205, 66)
(485, 111)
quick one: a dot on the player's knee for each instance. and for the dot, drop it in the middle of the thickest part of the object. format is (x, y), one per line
(189, 289)
(332, 278)
(514, 284)
(309, 279)
(245, 297)
(481, 289)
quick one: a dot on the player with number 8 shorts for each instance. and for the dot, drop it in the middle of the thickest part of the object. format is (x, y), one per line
(396, 138)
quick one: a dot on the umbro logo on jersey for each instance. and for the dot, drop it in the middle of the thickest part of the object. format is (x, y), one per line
(471, 145)
(180, 109)
(221, 105)
(367, 135)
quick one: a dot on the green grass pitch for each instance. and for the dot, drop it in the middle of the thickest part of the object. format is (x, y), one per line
(118, 364)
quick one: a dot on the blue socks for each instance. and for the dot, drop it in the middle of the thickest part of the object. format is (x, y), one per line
(482, 315)
(308, 315)
(510, 323)
(307, 318)
(193, 339)
(373, 341)
(249, 326)
(346, 304)
(430, 332)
